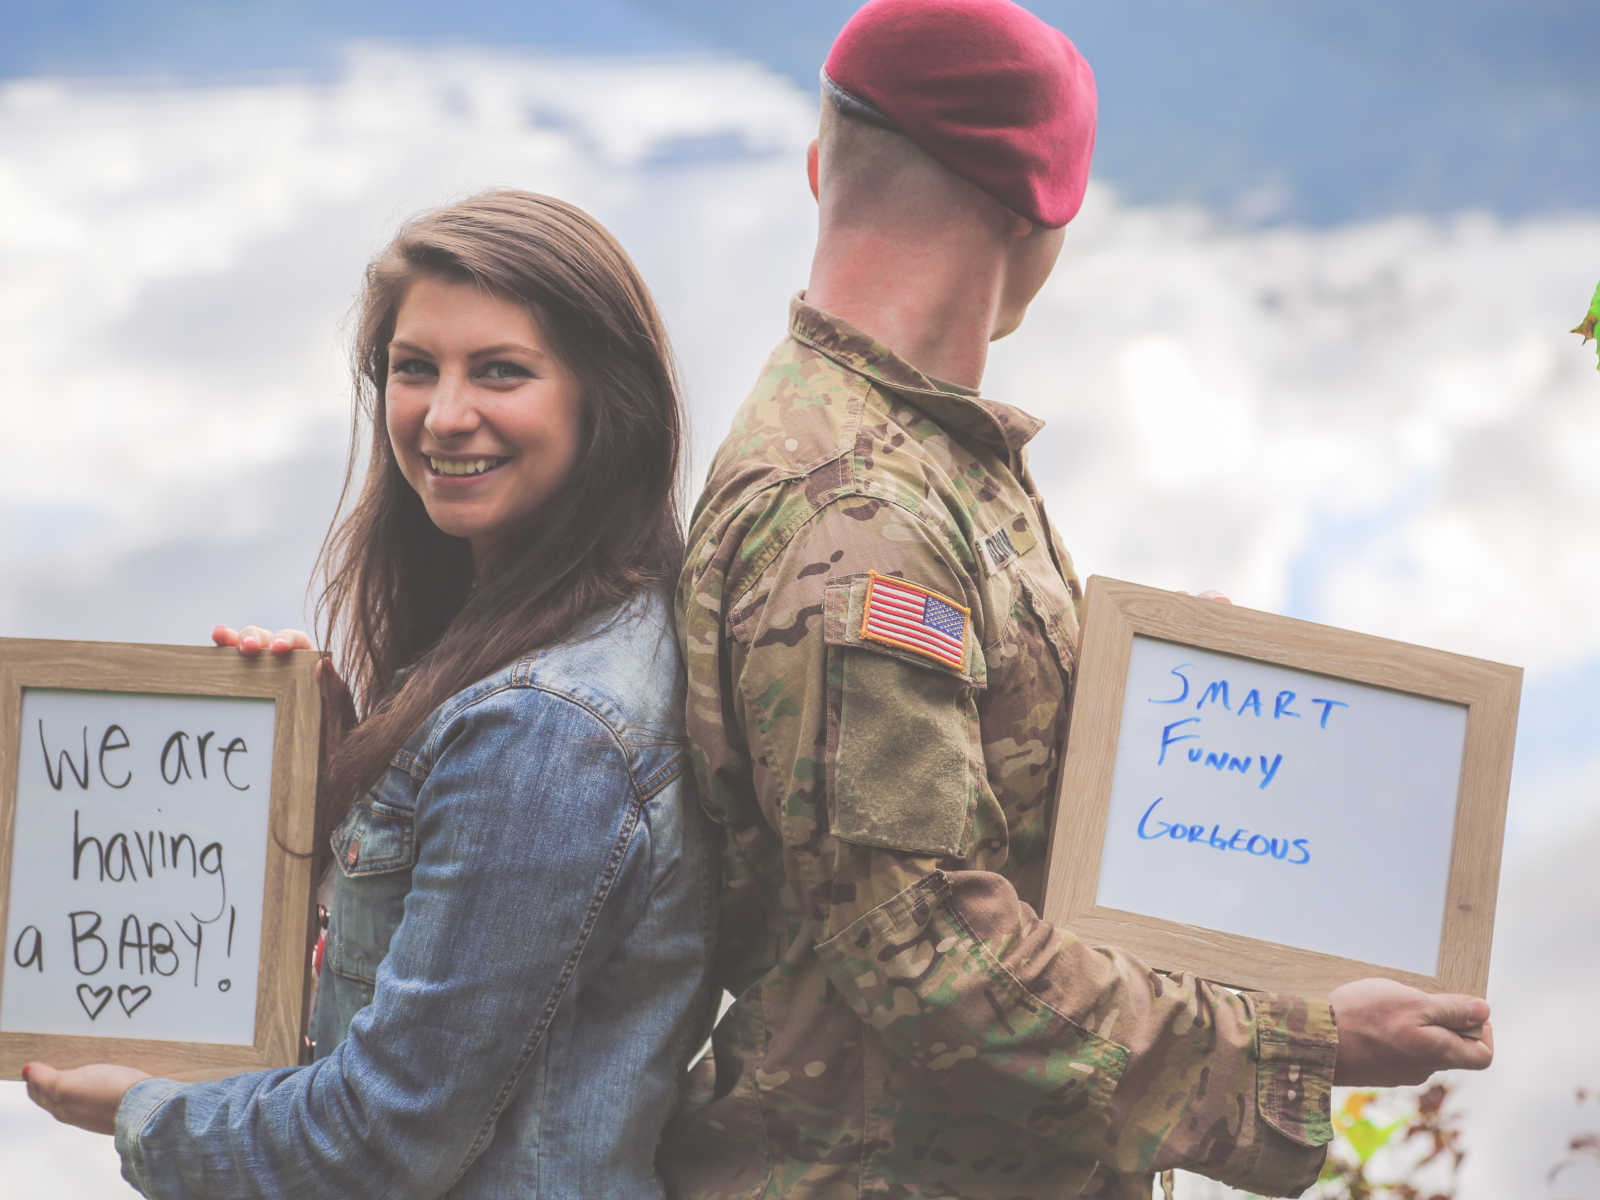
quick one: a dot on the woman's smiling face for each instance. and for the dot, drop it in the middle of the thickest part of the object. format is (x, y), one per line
(483, 417)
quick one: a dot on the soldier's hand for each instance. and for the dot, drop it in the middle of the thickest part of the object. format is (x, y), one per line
(1391, 1034)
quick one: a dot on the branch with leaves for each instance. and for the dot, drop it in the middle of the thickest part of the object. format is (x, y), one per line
(1393, 1146)
(1586, 326)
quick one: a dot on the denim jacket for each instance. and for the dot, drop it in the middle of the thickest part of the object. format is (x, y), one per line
(517, 955)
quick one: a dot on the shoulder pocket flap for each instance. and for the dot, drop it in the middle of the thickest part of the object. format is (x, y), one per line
(373, 838)
(904, 620)
(900, 727)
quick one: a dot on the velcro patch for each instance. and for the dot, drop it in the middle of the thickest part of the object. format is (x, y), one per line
(997, 549)
(1010, 540)
(915, 618)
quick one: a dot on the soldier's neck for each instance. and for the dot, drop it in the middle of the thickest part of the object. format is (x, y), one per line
(933, 306)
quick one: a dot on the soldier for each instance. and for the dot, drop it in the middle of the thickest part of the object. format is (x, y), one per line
(880, 626)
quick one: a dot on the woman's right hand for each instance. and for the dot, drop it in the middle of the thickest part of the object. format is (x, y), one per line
(253, 639)
(338, 709)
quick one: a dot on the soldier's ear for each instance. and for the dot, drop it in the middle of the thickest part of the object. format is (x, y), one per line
(811, 167)
(1017, 225)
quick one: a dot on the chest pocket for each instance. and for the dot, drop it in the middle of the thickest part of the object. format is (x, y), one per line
(1022, 576)
(374, 848)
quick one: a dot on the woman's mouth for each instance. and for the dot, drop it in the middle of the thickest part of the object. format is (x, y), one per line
(458, 467)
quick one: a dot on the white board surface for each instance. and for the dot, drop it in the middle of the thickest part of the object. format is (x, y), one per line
(138, 865)
(1282, 805)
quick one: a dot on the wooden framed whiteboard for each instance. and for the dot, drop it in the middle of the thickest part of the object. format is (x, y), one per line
(156, 818)
(1277, 805)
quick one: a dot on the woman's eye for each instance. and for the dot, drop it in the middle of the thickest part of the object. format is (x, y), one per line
(413, 368)
(503, 371)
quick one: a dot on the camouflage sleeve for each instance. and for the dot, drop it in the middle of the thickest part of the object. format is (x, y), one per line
(1084, 1045)
(869, 760)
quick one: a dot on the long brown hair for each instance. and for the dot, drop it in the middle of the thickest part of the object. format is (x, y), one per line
(398, 591)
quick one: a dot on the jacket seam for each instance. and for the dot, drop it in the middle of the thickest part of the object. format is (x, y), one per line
(855, 404)
(850, 484)
(1001, 973)
(150, 1116)
(836, 497)
(906, 389)
(569, 968)
(430, 755)
(663, 775)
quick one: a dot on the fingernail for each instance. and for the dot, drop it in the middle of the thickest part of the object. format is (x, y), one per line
(24, 1072)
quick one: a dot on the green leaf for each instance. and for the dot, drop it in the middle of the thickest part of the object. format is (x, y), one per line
(1366, 1139)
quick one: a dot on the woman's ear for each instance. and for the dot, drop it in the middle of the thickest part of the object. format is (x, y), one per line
(811, 167)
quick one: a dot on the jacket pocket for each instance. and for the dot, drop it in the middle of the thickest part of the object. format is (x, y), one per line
(374, 837)
(375, 849)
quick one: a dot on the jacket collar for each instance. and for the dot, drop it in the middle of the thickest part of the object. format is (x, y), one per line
(998, 425)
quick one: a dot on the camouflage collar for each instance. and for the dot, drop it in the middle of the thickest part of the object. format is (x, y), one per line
(998, 425)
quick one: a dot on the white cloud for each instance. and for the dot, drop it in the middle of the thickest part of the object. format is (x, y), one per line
(1219, 396)
(1383, 426)
(180, 262)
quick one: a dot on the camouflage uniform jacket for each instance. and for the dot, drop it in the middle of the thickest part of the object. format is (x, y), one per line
(904, 1024)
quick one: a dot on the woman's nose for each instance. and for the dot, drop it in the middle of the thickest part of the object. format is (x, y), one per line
(451, 411)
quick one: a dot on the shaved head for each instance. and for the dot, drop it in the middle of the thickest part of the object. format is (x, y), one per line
(874, 177)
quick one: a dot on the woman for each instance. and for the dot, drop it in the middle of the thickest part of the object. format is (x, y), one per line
(520, 927)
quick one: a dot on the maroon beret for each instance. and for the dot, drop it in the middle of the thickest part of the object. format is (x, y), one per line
(985, 87)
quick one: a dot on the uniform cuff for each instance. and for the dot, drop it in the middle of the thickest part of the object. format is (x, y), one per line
(138, 1105)
(1296, 1045)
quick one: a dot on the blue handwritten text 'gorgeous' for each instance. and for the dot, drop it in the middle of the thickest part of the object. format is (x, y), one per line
(1296, 852)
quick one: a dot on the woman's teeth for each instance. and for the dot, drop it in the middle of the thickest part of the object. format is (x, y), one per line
(468, 466)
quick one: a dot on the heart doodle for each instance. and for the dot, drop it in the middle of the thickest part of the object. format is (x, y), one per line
(132, 997)
(101, 995)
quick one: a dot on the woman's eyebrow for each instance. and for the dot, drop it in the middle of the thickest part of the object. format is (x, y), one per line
(482, 352)
(516, 347)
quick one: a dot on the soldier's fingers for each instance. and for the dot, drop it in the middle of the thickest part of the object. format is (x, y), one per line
(1465, 1054)
(222, 635)
(1455, 1012)
(1468, 1049)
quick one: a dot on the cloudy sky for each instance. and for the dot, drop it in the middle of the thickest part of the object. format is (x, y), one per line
(1306, 343)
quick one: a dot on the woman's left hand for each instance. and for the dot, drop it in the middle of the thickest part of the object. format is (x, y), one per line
(85, 1096)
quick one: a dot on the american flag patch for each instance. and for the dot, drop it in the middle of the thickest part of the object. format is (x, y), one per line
(913, 618)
